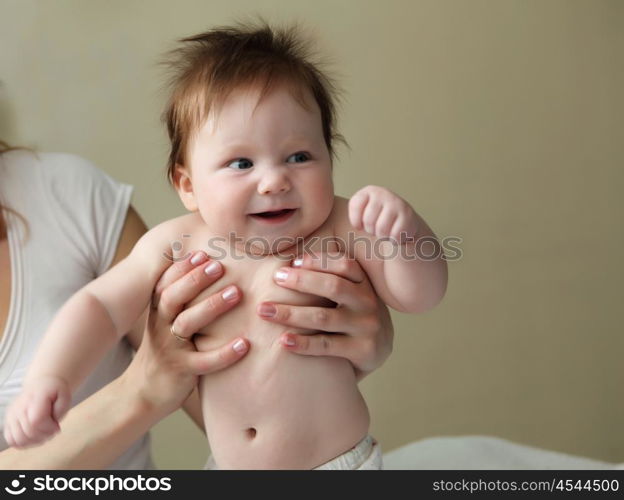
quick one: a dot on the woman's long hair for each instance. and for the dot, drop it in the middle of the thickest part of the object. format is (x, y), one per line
(4, 148)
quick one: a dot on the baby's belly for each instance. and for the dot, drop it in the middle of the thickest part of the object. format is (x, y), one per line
(276, 409)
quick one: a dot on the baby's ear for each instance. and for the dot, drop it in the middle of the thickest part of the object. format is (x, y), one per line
(183, 184)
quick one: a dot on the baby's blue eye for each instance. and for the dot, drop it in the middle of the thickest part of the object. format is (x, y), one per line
(298, 157)
(240, 164)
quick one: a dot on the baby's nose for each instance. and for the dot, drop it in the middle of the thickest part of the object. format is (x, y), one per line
(274, 181)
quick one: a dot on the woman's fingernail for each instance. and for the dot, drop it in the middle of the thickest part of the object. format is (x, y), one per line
(212, 268)
(267, 310)
(230, 293)
(289, 341)
(297, 262)
(281, 275)
(198, 258)
(240, 346)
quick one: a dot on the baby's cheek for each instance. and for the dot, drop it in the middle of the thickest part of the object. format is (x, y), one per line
(322, 200)
(222, 222)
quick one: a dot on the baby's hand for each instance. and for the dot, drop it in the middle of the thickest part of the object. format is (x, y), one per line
(34, 415)
(384, 214)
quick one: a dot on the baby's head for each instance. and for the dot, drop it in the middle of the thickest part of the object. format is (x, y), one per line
(252, 128)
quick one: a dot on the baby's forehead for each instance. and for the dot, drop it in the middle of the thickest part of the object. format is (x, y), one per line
(238, 105)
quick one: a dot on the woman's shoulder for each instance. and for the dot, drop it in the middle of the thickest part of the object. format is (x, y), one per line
(66, 168)
(71, 167)
(29, 158)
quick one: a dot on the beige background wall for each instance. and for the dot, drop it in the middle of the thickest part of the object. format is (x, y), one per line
(501, 121)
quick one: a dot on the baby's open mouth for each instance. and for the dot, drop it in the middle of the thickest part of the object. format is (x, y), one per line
(275, 215)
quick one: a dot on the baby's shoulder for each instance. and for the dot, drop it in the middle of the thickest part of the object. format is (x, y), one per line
(174, 228)
(168, 236)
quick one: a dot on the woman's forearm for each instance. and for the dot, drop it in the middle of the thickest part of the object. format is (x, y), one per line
(93, 434)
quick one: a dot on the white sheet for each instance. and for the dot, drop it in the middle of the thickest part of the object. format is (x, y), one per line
(484, 452)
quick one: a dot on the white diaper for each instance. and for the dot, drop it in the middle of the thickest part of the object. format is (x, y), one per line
(366, 455)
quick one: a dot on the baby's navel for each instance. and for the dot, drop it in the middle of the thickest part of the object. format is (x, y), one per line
(251, 433)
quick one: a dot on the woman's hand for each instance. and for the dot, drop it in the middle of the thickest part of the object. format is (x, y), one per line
(160, 377)
(167, 365)
(358, 329)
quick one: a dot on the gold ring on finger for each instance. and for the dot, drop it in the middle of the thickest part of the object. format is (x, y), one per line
(173, 332)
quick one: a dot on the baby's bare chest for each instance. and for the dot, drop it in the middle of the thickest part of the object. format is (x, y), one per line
(254, 276)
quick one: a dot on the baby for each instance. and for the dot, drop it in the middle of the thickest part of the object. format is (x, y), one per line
(252, 128)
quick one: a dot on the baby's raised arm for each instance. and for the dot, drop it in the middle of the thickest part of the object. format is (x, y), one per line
(88, 324)
(403, 276)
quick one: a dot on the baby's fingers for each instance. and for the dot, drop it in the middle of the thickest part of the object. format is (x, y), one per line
(385, 222)
(357, 204)
(61, 405)
(370, 216)
(14, 435)
(9, 433)
(39, 415)
(28, 435)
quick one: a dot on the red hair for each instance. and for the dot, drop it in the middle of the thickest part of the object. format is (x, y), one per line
(208, 66)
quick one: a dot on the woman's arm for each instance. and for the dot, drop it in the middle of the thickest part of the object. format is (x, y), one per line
(80, 334)
(162, 374)
(97, 431)
(133, 229)
(358, 329)
(93, 434)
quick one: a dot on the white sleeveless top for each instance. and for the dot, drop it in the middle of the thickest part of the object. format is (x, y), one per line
(75, 214)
